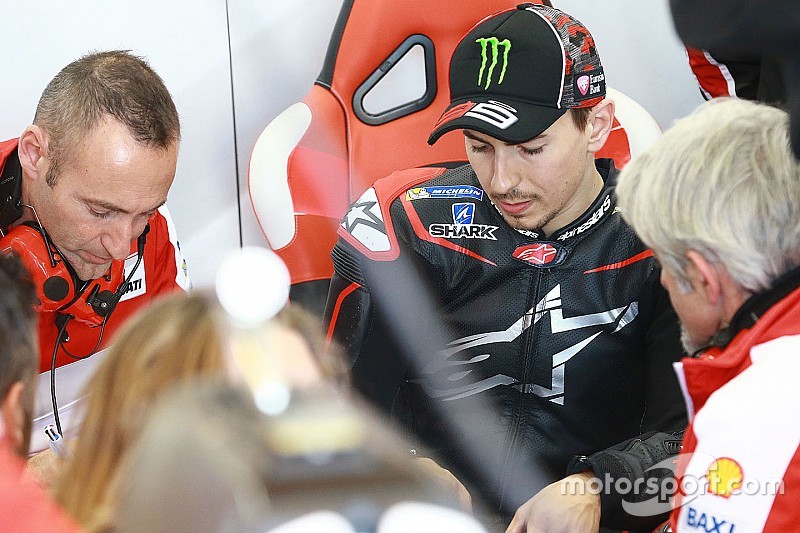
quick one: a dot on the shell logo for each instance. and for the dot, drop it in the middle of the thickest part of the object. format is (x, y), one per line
(725, 477)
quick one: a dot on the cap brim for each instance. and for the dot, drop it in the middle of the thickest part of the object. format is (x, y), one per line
(508, 120)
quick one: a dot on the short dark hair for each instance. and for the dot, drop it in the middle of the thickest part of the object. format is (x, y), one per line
(18, 352)
(114, 83)
(19, 348)
(580, 116)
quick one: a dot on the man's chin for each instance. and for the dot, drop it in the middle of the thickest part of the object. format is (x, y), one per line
(85, 270)
(524, 223)
(88, 271)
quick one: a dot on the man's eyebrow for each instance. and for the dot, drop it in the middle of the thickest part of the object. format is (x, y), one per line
(476, 138)
(113, 207)
(473, 137)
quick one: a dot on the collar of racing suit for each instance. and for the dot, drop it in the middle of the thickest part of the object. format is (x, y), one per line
(10, 189)
(603, 205)
(755, 307)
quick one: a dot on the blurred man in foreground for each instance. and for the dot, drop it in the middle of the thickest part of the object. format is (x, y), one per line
(24, 505)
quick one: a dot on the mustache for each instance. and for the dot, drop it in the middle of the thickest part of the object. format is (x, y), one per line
(515, 195)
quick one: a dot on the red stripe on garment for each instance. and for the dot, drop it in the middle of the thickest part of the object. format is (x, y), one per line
(783, 511)
(709, 75)
(336, 308)
(621, 264)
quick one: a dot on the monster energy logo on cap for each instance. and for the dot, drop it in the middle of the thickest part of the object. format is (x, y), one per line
(494, 43)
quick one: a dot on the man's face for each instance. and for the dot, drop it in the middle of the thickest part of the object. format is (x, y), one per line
(104, 194)
(698, 319)
(544, 183)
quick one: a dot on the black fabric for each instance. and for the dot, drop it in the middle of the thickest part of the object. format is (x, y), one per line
(10, 191)
(755, 77)
(632, 460)
(495, 379)
(761, 28)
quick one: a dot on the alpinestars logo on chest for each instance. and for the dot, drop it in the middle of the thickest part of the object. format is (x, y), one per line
(449, 378)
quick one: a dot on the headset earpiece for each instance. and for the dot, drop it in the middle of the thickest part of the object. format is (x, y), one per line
(57, 286)
(49, 273)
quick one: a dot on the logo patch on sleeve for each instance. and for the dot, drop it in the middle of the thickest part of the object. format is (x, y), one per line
(138, 283)
(364, 221)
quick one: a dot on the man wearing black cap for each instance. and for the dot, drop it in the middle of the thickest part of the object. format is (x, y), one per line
(552, 336)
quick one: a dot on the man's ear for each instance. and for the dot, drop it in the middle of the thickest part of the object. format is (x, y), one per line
(12, 412)
(720, 288)
(600, 124)
(33, 152)
(704, 276)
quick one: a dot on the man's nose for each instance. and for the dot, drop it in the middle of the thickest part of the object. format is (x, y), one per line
(503, 178)
(117, 241)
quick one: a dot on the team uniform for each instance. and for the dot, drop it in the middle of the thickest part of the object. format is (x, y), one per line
(752, 78)
(568, 339)
(161, 270)
(745, 435)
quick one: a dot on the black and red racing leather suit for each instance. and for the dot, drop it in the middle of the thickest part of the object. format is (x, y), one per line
(545, 347)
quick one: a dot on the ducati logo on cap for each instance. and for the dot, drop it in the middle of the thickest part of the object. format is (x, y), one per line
(490, 46)
(540, 254)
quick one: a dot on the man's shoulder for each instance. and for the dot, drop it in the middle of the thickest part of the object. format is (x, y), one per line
(458, 183)
(161, 232)
(369, 224)
(6, 148)
(156, 237)
(426, 182)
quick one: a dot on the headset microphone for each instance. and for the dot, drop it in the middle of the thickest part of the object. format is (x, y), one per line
(104, 302)
(101, 302)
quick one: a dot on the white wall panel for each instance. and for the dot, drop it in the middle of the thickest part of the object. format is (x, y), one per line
(641, 53)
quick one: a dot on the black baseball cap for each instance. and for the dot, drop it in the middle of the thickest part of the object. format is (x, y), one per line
(518, 71)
